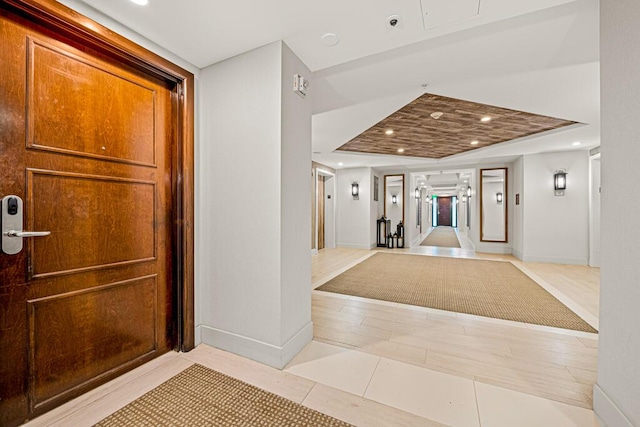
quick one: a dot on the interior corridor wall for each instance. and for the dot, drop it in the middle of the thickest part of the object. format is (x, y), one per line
(517, 212)
(618, 385)
(556, 228)
(254, 295)
(354, 217)
(595, 213)
(329, 212)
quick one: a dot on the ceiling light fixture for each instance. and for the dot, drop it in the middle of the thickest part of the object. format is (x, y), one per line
(340, 164)
(436, 115)
(400, 150)
(140, 2)
(388, 132)
(575, 144)
(485, 119)
(474, 142)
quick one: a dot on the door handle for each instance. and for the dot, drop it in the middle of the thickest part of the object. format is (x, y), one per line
(12, 233)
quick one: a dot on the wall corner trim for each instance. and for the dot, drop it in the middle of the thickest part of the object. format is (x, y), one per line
(607, 411)
(268, 354)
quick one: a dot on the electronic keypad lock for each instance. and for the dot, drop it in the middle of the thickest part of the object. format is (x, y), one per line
(12, 233)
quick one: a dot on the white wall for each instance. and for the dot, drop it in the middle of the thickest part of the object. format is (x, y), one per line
(517, 211)
(353, 217)
(253, 294)
(295, 210)
(556, 228)
(329, 212)
(594, 217)
(617, 391)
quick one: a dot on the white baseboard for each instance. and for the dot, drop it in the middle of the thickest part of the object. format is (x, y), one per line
(314, 252)
(356, 245)
(493, 249)
(262, 352)
(198, 336)
(609, 415)
(555, 260)
(518, 254)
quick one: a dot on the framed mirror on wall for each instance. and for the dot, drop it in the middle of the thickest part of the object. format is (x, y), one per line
(394, 199)
(493, 205)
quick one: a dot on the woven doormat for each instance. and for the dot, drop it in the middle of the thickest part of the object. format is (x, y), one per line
(444, 237)
(495, 289)
(199, 396)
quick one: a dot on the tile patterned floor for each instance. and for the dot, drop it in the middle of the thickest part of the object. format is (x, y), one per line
(397, 365)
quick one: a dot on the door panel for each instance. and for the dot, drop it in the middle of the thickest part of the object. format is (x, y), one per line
(113, 325)
(126, 206)
(86, 143)
(444, 211)
(67, 103)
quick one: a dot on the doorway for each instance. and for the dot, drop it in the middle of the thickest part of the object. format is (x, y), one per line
(325, 210)
(444, 211)
(101, 148)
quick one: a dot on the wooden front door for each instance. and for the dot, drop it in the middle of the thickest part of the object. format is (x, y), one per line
(444, 211)
(86, 143)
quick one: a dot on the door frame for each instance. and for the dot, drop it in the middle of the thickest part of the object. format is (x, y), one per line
(63, 21)
(450, 198)
(323, 172)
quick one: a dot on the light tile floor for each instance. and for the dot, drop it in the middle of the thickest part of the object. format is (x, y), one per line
(386, 382)
(541, 361)
(438, 397)
(385, 392)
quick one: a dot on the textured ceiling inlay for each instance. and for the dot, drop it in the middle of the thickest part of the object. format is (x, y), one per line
(420, 135)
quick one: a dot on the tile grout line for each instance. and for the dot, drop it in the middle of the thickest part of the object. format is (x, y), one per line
(475, 395)
(308, 393)
(372, 374)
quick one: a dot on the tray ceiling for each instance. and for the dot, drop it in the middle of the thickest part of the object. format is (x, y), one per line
(419, 135)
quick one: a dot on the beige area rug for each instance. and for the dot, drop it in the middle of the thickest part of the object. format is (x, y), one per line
(495, 289)
(199, 396)
(445, 237)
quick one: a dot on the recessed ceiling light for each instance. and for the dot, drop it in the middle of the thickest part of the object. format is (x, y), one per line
(140, 2)
(388, 132)
(330, 39)
(340, 164)
(485, 119)
(474, 142)
(576, 143)
(400, 150)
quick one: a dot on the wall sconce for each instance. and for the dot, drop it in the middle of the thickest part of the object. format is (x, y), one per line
(468, 191)
(560, 181)
(417, 193)
(499, 198)
(464, 198)
(355, 191)
(394, 199)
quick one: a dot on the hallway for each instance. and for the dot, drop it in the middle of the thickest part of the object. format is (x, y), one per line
(379, 364)
(551, 363)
